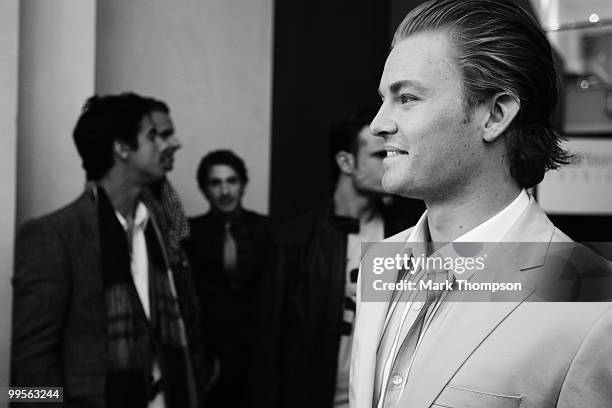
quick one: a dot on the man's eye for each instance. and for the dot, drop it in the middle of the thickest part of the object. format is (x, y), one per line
(405, 98)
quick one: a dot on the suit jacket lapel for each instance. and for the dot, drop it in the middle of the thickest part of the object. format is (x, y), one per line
(532, 227)
(369, 328)
(459, 328)
(90, 231)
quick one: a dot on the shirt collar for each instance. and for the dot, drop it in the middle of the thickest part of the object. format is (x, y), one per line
(495, 228)
(141, 217)
(492, 230)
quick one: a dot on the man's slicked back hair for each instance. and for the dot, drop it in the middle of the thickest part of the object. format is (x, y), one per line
(498, 47)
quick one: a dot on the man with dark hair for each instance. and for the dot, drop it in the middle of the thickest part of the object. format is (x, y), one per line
(228, 247)
(97, 308)
(468, 90)
(309, 297)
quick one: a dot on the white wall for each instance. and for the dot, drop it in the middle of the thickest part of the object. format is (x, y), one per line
(9, 29)
(211, 61)
(56, 75)
(47, 71)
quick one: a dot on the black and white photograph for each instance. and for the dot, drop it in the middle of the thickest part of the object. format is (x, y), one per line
(321, 204)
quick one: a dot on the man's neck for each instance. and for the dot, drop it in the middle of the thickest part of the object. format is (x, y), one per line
(348, 202)
(449, 219)
(122, 193)
(226, 216)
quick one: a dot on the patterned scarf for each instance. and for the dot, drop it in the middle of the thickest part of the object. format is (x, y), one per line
(133, 341)
(163, 200)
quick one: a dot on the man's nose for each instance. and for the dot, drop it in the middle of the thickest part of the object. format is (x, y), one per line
(224, 188)
(383, 125)
(173, 142)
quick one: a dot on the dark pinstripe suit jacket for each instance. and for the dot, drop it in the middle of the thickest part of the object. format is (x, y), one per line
(59, 310)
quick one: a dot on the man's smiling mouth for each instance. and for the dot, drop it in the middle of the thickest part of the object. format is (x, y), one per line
(392, 151)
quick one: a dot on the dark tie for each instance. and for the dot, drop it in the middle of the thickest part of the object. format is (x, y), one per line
(230, 253)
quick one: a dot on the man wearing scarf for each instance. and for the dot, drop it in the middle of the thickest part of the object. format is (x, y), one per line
(99, 304)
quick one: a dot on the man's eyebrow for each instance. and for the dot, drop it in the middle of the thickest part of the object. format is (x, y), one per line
(406, 83)
(396, 86)
(166, 133)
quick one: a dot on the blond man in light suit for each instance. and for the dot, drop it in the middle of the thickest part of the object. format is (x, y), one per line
(468, 91)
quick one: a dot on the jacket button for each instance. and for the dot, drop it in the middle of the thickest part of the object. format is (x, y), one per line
(397, 379)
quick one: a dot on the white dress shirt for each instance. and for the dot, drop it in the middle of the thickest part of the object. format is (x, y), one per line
(492, 230)
(140, 274)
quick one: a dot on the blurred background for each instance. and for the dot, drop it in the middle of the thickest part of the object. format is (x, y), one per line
(265, 79)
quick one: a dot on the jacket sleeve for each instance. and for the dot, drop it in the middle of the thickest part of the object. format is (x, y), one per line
(41, 290)
(588, 382)
(265, 373)
(204, 365)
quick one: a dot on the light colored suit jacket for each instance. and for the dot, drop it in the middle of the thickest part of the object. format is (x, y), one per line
(500, 354)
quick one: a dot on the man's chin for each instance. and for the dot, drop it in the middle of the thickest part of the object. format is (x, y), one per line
(153, 178)
(396, 187)
(389, 185)
(373, 192)
(226, 209)
(167, 163)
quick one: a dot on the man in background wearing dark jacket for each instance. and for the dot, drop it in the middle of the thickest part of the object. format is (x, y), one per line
(308, 300)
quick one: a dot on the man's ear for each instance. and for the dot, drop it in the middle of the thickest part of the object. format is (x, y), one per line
(502, 109)
(120, 150)
(345, 162)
